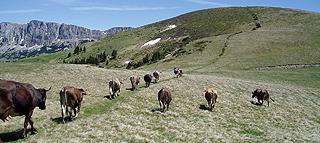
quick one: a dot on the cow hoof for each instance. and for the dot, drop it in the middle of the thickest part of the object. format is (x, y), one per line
(34, 131)
(24, 135)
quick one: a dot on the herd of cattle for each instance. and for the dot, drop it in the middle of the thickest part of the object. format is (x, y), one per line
(17, 99)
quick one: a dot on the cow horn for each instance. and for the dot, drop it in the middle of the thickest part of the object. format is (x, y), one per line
(49, 89)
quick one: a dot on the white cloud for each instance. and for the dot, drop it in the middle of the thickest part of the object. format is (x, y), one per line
(101, 8)
(20, 11)
(203, 2)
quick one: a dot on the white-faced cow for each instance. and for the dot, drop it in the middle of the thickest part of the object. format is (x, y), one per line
(211, 96)
(261, 95)
(156, 75)
(135, 80)
(147, 78)
(71, 97)
(17, 99)
(114, 87)
(164, 98)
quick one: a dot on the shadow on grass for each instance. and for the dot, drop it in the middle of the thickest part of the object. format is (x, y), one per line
(58, 120)
(256, 103)
(204, 107)
(157, 110)
(12, 136)
(131, 89)
(108, 97)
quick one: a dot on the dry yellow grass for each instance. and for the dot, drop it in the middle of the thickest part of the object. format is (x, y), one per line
(132, 117)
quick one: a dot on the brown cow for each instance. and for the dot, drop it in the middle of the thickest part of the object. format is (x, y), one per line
(164, 98)
(114, 87)
(135, 80)
(211, 96)
(17, 99)
(156, 75)
(261, 95)
(71, 97)
(147, 78)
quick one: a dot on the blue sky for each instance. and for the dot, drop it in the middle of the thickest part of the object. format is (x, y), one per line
(104, 14)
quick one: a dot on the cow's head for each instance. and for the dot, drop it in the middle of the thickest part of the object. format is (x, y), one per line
(43, 92)
(253, 94)
(82, 93)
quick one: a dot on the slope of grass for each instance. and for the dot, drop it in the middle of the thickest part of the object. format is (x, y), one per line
(133, 117)
(228, 40)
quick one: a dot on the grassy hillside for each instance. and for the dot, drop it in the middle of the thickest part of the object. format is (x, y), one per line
(234, 38)
(133, 117)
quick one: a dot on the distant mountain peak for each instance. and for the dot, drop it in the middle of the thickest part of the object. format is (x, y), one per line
(35, 37)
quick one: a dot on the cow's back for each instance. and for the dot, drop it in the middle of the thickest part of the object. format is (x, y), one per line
(70, 96)
(147, 78)
(164, 95)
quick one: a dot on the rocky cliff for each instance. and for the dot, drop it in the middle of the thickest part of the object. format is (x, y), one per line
(36, 37)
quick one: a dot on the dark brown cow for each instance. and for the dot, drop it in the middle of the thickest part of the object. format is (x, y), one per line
(211, 96)
(261, 95)
(164, 98)
(114, 87)
(17, 99)
(71, 97)
(147, 78)
(135, 80)
(156, 75)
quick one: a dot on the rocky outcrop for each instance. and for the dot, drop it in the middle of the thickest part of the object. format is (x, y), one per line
(36, 37)
(116, 30)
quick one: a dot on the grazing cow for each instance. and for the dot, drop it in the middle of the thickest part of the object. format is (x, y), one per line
(135, 80)
(156, 75)
(211, 96)
(261, 95)
(177, 72)
(147, 78)
(17, 99)
(71, 97)
(114, 87)
(164, 98)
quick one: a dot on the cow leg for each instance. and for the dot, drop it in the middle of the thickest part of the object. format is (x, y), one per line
(79, 106)
(209, 105)
(75, 112)
(26, 122)
(70, 112)
(62, 113)
(33, 130)
(268, 101)
(262, 102)
(162, 106)
(168, 106)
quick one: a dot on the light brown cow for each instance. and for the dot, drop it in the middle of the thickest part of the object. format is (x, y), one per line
(164, 98)
(114, 87)
(71, 97)
(211, 96)
(135, 80)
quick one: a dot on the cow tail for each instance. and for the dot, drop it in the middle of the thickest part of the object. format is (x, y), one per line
(271, 99)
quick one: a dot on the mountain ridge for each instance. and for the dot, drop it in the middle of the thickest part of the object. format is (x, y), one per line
(36, 37)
